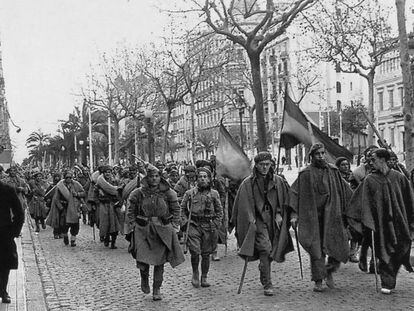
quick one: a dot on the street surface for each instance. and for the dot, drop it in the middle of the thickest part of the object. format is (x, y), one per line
(91, 276)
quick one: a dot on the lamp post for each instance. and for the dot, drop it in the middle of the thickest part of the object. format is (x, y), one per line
(90, 139)
(81, 142)
(148, 118)
(109, 140)
(241, 112)
(142, 130)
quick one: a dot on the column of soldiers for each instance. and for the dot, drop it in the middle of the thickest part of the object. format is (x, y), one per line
(335, 212)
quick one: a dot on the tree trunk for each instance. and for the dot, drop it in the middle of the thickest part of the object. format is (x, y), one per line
(370, 80)
(408, 86)
(116, 141)
(167, 126)
(254, 58)
(193, 134)
(251, 130)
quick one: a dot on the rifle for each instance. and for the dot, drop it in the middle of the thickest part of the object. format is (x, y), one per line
(381, 141)
(188, 226)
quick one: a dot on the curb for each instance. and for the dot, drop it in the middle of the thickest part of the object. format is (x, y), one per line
(35, 294)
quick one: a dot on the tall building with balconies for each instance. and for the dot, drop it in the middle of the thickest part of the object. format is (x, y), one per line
(5, 143)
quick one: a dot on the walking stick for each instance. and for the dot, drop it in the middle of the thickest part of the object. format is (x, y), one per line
(298, 248)
(188, 227)
(375, 260)
(246, 261)
(93, 230)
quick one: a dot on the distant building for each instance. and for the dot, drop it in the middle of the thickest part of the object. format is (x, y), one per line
(389, 99)
(5, 143)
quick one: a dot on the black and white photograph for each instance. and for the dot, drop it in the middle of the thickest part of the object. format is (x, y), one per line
(206, 155)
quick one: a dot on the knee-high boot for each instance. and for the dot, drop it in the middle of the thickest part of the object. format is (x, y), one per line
(205, 266)
(265, 277)
(145, 280)
(4, 279)
(37, 225)
(157, 282)
(113, 240)
(195, 260)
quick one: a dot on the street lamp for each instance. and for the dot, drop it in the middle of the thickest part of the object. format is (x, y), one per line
(81, 142)
(148, 114)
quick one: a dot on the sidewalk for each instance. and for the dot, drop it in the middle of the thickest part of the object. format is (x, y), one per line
(25, 286)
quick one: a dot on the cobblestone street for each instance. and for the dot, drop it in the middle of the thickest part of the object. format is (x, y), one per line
(91, 276)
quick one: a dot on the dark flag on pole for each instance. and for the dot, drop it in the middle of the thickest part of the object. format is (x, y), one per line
(231, 160)
(297, 128)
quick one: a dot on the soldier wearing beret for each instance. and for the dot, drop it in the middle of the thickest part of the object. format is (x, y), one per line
(320, 197)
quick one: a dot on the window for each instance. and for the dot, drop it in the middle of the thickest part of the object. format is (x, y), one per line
(391, 98)
(401, 95)
(338, 105)
(338, 87)
(380, 101)
(392, 137)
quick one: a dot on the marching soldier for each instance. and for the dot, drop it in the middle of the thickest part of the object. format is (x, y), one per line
(204, 213)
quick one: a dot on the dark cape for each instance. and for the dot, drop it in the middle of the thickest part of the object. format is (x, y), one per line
(11, 222)
(335, 236)
(244, 218)
(385, 204)
(155, 241)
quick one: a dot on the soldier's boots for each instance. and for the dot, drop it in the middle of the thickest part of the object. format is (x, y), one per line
(158, 278)
(204, 282)
(73, 241)
(65, 239)
(113, 242)
(37, 226)
(318, 286)
(106, 240)
(265, 279)
(329, 281)
(156, 294)
(195, 280)
(205, 266)
(42, 221)
(144, 281)
(195, 260)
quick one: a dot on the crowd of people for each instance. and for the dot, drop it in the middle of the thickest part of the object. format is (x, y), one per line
(164, 211)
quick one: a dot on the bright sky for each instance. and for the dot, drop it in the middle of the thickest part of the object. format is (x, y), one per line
(48, 46)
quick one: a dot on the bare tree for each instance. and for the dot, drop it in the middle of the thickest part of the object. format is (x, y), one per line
(354, 36)
(120, 89)
(253, 25)
(408, 85)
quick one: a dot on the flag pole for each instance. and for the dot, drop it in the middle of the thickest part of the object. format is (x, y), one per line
(281, 128)
(311, 133)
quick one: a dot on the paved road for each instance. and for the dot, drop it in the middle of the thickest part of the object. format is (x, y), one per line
(93, 277)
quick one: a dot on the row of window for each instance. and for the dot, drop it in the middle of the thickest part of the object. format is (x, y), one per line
(390, 65)
(387, 99)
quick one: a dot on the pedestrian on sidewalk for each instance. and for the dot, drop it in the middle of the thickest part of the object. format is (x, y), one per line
(262, 201)
(66, 207)
(11, 222)
(320, 198)
(203, 203)
(154, 213)
(384, 206)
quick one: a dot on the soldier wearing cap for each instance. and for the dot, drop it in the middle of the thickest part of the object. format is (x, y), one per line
(203, 204)
(320, 198)
(262, 203)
